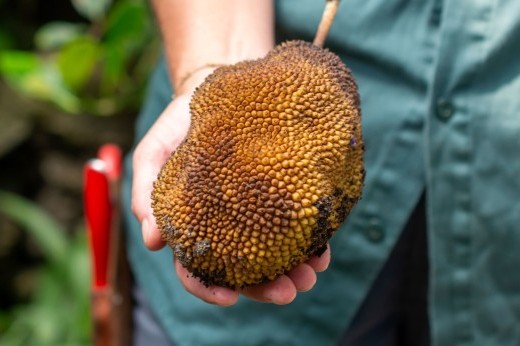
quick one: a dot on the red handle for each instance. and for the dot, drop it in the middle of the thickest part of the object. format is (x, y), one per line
(98, 211)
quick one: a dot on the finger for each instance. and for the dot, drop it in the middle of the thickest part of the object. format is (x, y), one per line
(217, 295)
(148, 158)
(320, 263)
(303, 277)
(151, 235)
(280, 291)
(145, 171)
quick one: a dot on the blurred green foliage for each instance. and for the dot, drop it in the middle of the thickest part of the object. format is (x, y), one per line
(97, 66)
(95, 61)
(59, 313)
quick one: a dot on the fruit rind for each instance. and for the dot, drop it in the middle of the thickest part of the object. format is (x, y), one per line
(270, 168)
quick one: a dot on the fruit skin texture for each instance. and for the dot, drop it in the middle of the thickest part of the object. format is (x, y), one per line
(270, 168)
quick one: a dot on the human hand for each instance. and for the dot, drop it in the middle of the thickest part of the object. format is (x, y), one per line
(281, 291)
(152, 152)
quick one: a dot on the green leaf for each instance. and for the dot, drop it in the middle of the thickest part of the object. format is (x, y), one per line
(114, 61)
(49, 235)
(78, 266)
(49, 85)
(15, 63)
(34, 77)
(47, 323)
(63, 284)
(77, 60)
(59, 311)
(56, 34)
(92, 9)
(128, 22)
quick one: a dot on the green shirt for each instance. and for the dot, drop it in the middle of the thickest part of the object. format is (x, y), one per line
(440, 89)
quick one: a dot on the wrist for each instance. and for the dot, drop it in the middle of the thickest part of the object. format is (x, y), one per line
(187, 83)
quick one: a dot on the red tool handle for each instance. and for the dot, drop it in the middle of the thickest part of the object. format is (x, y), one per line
(98, 211)
(101, 191)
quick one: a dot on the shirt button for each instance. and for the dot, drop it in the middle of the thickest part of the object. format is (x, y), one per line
(374, 232)
(445, 109)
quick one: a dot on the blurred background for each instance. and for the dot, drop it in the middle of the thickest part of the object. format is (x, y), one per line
(72, 76)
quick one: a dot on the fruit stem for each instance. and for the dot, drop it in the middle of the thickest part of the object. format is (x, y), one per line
(331, 8)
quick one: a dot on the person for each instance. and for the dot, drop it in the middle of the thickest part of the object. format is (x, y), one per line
(429, 254)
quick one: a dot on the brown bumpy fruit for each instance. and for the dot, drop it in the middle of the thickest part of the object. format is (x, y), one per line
(271, 166)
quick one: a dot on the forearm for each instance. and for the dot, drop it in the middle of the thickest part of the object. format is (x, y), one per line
(197, 33)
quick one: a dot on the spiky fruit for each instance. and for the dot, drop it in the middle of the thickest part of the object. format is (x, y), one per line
(270, 168)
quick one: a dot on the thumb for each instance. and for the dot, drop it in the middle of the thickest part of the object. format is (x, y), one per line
(149, 156)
